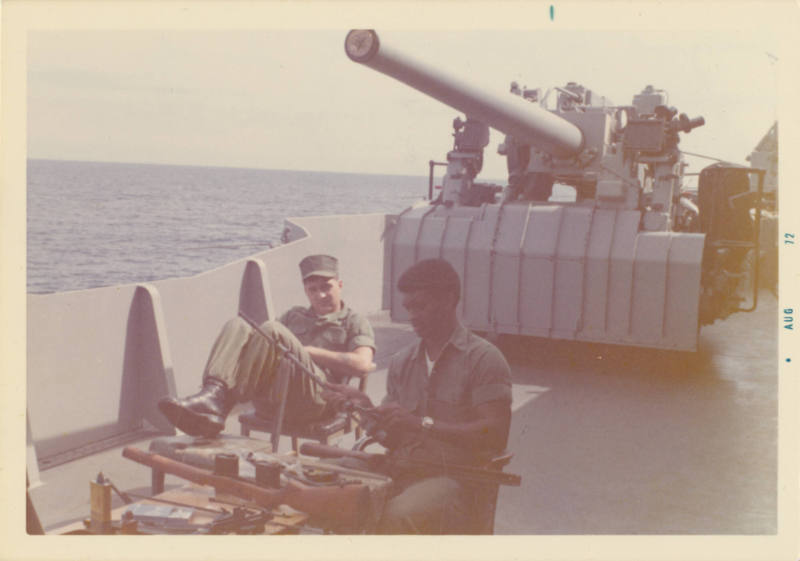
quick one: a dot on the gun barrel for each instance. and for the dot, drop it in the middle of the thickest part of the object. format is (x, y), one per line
(528, 123)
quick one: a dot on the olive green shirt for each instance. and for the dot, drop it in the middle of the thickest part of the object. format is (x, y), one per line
(470, 371)
(341, 331)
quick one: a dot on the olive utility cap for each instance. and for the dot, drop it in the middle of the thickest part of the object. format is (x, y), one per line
(319, 265)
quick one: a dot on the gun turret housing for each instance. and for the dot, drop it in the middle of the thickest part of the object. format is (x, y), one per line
(621, 264)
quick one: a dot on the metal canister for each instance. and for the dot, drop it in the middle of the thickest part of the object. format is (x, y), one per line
(226, 464)
(268, 473)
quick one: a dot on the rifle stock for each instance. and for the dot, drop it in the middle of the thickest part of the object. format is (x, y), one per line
(344, 507)
(456, 471)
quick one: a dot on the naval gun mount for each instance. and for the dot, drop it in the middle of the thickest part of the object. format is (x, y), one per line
(629, 262)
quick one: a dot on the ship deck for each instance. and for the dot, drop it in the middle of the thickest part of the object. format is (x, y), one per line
(608, 440)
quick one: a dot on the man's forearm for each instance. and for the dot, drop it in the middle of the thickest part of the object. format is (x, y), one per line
(489, 429)
(344, 363)
(480, 433)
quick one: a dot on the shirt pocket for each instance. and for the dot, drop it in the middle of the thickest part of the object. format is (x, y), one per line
(334, 338)
(300, 330)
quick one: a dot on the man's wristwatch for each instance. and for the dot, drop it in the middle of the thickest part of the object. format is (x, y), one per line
(427, 423)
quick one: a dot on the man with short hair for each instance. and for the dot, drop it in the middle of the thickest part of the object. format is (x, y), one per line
(328, 338)
(448, 400)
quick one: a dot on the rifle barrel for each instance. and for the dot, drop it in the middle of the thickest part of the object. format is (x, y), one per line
(457, 471)
(460, 471)
(307, 372)
(286, 352)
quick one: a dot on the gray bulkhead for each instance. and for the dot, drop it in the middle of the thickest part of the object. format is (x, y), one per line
(560, 271)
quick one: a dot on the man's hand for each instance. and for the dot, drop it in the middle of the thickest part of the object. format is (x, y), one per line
(397, 421)
(339, 396)
(488, 430)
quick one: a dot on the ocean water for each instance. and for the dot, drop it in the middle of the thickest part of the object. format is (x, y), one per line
(99, 224)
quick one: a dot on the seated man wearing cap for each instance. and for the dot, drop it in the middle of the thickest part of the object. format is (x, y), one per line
(328, 338)
(448, 401)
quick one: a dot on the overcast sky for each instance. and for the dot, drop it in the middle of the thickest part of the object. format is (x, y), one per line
(293, 100)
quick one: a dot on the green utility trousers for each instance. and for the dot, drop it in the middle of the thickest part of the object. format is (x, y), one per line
(435, 505)
(251, 365)
(432, 505)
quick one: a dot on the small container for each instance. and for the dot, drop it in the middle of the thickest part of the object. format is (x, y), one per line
(226, 464)
(268, 473)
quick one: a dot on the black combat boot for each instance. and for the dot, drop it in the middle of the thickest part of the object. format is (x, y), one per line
(201, 414)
